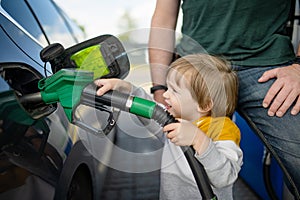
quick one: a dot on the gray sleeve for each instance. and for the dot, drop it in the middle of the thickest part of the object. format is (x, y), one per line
(222, 161)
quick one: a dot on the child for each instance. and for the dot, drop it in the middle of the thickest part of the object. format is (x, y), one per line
(202, 95)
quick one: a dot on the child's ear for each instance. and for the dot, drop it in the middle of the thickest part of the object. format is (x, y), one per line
(207, 108)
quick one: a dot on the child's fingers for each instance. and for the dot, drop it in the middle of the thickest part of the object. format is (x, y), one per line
(104, 85)
(171, 134)
(174, 140)
(102, 90)
(98, 82)
(179, 119)
(170, 127)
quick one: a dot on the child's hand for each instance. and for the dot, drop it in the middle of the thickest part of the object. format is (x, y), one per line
(112, 84)
(181, 134)
(187, 134)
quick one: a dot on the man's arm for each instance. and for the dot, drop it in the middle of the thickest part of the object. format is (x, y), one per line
(162, 41)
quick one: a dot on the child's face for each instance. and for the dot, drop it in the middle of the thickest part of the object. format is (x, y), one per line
(179, 99)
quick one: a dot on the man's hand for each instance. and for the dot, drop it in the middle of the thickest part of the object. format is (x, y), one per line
(284, 91)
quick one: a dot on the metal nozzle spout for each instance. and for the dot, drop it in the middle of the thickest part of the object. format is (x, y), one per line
(34, 98)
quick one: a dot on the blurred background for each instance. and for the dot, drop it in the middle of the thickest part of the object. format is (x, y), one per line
(109, 17)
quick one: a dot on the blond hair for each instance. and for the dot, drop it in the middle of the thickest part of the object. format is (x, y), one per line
(211, 80)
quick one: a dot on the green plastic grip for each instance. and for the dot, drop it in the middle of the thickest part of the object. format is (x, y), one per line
(142, 107)
(65, 87)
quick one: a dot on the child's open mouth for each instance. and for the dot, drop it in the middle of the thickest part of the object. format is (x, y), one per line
(168, 106)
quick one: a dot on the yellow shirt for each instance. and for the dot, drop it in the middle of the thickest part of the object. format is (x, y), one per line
(219, 128)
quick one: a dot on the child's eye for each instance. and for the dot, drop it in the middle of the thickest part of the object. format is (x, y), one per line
(172, 90)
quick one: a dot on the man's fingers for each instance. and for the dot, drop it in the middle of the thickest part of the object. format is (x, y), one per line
(286, 104)
(296, 108)
(271, 94)
(268, 75)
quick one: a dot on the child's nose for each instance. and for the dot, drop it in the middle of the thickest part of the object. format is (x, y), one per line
(165, 94)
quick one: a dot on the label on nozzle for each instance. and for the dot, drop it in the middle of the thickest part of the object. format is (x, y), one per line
(91, 59)
(142, 107)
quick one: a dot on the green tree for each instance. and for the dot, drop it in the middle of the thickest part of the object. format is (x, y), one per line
(126, 24)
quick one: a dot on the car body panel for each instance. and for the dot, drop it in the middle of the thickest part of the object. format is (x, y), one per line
(51, 141)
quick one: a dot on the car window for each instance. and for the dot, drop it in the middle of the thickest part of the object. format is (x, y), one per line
(74, 28)
(52, 23)
(24, 18)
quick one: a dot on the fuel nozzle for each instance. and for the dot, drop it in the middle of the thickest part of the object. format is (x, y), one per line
(132, 104)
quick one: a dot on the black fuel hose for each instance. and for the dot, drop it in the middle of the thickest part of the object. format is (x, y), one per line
(267, 176)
